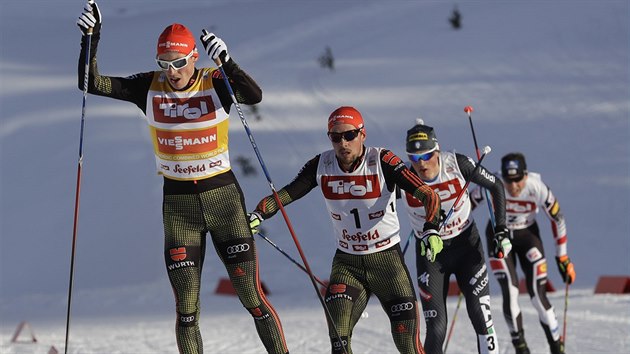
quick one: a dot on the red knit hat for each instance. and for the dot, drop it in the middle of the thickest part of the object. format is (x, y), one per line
(345, 115)
(176, 38)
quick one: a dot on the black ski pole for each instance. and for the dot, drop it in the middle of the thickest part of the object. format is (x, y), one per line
(277, 197)
(469, 110)
(322, 283)
(78, 184)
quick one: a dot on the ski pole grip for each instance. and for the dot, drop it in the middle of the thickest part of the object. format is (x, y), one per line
(90, 30)
(217, 61)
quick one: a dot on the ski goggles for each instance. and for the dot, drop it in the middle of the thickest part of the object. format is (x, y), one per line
(348, 135)
(176, 64)
(424, 157)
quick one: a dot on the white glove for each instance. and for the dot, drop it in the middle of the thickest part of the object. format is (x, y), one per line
(215, 47)
(90, 18)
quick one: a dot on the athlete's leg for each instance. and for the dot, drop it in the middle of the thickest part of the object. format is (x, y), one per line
(225, 215)
(472, 277)
(433, 281)
(505, 272)
(184, 246)
(388, 278)
(346, 298)
(534, 266)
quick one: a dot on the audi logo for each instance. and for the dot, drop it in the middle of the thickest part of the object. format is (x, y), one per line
(402, 307)
(187, 319)
(243, 247)
(430, 313)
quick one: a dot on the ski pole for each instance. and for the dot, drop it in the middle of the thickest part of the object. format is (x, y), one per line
(469, 110)
(276, 196)
(450, 331)
(486, 151)
(407, 242)
(75, 223)
(291, 258)
(566, 305)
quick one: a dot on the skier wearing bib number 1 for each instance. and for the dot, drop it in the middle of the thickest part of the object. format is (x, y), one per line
(462, 253)
(358, 184)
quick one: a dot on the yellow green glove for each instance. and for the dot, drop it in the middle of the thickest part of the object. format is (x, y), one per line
(430, 244)
(254, 221)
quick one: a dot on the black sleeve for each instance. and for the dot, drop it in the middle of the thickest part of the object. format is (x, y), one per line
(303, 183)
(398, 175)
(246, 90)
(487, 180)
(132, 89)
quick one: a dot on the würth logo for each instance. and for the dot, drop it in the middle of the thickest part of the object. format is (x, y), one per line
(351, 187)
(178, 254)
(337, 288)
(174, 110)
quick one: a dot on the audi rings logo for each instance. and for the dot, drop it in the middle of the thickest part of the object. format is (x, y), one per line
(430, 314)
(405, 306)
(187, 319)
(243, 247)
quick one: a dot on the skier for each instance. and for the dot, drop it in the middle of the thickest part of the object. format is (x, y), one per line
(358, 185)
(526, 193)
(462, 253)
(187, 111)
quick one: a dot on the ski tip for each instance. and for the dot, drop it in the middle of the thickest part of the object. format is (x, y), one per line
(468, 109)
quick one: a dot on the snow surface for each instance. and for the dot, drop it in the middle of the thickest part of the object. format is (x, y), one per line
(548, 78)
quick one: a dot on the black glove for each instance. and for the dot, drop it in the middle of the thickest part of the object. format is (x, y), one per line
(215, 47)
(501, 244)
(90, 18)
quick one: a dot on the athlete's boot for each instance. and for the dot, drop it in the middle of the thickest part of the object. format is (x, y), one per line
(557, 347)
(518, 340)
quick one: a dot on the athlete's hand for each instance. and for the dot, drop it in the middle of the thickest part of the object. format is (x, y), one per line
(501, 244)
(430, 244)
(254, 222)
(90, 18)
(566, 269)
(215, 47)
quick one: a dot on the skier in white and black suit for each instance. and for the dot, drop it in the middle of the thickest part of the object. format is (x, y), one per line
(462, 253)
(358, 184)
(526, 194)
(187, 109)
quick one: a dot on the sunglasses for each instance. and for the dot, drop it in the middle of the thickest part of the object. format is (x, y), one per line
(513, 180)
(423, 157)
(175, 64)
(348, 135)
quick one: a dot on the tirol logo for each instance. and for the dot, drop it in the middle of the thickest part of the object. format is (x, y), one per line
(187, 142)
(351, 187)
(519, 207)
(178, 254)
(446, 190)
(183, 110)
